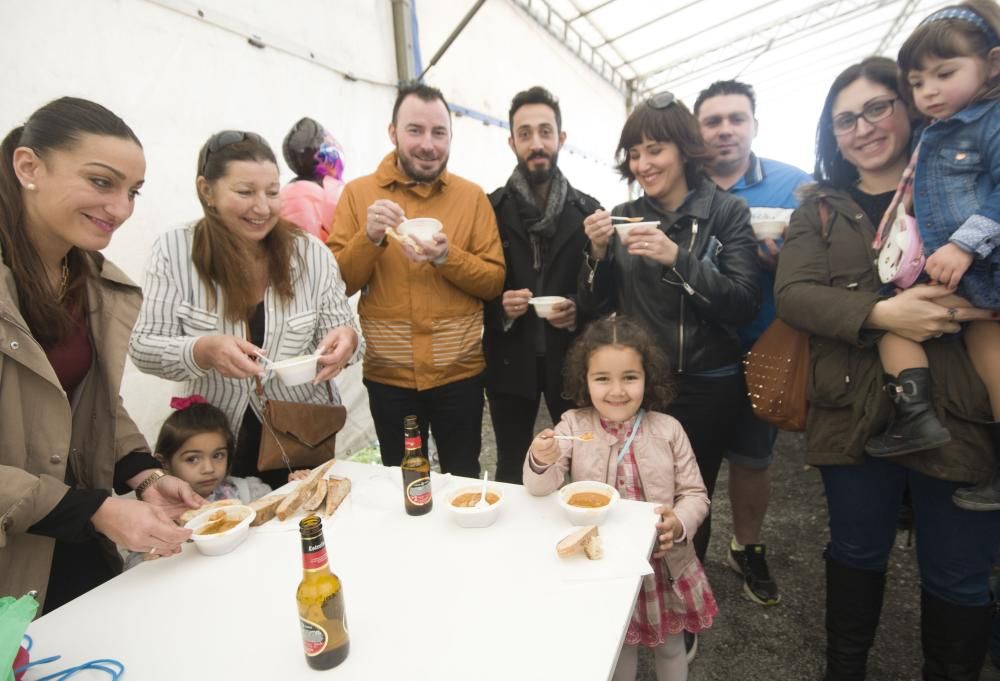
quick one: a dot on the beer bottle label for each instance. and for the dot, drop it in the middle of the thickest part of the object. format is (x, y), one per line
(419, 491)
(314, 553)
(314, 637)
(412, 442)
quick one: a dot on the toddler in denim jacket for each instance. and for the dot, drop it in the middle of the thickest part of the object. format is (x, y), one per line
(950, 70)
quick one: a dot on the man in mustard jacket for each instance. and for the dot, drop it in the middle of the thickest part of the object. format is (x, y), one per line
(421, 307)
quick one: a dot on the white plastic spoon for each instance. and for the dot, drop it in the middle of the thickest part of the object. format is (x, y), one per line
(482, 503)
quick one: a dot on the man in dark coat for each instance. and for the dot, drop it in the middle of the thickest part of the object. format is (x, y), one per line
(540, 217)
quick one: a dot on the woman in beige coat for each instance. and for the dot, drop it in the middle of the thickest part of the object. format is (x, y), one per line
(68, 179)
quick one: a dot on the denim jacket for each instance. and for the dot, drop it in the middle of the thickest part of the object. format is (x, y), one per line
(956, 191)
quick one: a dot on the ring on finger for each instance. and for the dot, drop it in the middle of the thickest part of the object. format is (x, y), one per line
(645, 244)
(152, 551)
(952, 311)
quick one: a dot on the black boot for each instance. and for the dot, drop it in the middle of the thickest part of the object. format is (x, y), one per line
(914, 426)
(853, 608)
(986, 495)
(954, 638)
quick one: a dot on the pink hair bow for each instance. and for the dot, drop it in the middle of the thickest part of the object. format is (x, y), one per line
(182, 403)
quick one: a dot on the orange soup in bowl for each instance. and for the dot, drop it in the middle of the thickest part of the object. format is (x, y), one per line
(470, 499)
(588, 500)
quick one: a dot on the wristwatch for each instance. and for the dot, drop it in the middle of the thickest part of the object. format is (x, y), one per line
(150, 480)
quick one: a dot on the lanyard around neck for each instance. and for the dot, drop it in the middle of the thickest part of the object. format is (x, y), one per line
(628, 442)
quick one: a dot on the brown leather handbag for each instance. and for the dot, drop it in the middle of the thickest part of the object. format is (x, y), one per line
(297, 435)
(777, 366)
(776, 370)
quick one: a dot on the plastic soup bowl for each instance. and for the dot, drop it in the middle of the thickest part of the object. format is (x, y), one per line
(623, 228)
(472, 516)
(544, 305)
(423, 229)
(296, 370)
(768, 229)
(220, 543)
(579, 515)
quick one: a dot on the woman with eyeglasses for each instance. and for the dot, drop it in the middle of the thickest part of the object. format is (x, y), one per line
(827, 285)
(689, 275)
(69, 178)
(240, 283)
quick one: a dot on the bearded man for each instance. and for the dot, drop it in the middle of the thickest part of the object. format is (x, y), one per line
(540, 217)
(421, 306)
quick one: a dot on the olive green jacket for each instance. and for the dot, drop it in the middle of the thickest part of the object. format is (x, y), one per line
(827, 285)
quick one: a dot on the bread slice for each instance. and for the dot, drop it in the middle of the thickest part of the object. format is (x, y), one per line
(191, 513)
(315, 500)
(592, 547)
(337, 491)
(265, 507)
(303, 491)
(580, 539)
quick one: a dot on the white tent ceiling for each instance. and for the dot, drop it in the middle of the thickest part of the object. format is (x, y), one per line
(789, 50)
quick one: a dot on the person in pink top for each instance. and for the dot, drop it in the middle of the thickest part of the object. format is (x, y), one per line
(317, 160)
(621, 380)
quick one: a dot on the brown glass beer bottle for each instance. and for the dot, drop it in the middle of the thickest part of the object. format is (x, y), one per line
(416, 471)
(320, 598)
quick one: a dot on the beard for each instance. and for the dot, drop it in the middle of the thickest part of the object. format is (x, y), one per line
(539, 175)
(414, 172)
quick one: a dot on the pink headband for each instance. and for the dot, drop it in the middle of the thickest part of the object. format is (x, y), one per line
(182, 403)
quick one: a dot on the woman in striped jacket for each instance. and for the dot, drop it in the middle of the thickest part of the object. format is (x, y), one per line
(238, 282)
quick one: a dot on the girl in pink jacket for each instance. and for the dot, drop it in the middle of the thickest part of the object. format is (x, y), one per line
(620, 377)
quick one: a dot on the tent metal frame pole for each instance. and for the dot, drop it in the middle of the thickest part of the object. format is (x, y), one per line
(451, 38)
(402, 33)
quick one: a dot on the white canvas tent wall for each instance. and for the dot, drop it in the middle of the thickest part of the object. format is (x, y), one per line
(177, 71)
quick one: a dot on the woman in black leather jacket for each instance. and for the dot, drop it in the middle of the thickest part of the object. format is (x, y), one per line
(691, 278)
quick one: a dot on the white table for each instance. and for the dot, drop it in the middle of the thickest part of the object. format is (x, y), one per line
(426, 599)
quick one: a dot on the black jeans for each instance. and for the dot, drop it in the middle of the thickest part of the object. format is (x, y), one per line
(514, 423)
(707, 408)
(452, 412)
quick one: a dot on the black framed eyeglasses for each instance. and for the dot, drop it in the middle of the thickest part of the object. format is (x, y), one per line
(661, 100)
(221, 140)
(873, 112)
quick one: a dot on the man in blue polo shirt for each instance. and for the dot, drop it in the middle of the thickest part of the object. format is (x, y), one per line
(726, 113)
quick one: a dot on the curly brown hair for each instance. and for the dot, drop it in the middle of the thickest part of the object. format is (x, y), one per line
(622, 332)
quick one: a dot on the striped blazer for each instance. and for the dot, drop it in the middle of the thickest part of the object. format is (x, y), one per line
(176, 311)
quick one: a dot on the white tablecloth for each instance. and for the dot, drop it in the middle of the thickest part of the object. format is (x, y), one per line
(426, 599)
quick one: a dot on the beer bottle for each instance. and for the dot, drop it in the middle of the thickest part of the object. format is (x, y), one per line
(416, 471)
(321, 601)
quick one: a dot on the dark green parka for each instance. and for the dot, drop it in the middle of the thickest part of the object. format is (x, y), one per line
(827, 285)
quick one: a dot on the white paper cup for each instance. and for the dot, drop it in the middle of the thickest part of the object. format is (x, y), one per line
(544, 305)
(423, 229)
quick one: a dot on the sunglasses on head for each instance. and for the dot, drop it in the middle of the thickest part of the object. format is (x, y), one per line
(661, 100)
(223, 139)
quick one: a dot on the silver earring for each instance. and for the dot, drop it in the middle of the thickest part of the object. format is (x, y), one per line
(31, 186)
